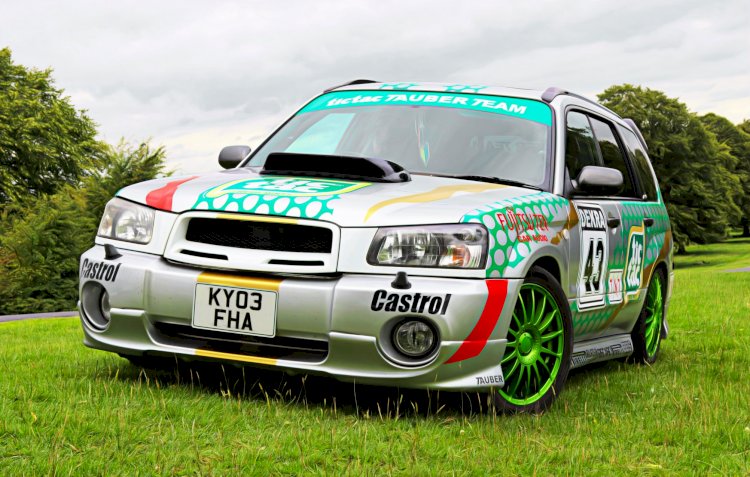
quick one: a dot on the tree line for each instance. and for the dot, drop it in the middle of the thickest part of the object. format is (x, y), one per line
(56, 177)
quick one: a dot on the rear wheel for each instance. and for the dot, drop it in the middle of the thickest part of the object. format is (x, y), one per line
(540, 339)
(647, 332)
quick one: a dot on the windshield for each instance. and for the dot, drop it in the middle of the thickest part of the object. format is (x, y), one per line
(428, 133)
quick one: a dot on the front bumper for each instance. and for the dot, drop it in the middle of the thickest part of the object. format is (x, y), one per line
(324, 325)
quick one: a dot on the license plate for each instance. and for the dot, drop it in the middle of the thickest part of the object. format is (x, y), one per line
(235, 310)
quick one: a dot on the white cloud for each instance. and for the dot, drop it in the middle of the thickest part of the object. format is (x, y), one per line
(196, 75)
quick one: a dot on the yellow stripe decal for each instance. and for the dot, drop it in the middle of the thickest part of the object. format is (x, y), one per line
(270, 284)
(440, 193)
(256, 218)
(235, 357)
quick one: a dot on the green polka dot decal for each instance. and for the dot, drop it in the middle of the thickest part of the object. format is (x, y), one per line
(589, 321)
(518, 226)
(284, 196)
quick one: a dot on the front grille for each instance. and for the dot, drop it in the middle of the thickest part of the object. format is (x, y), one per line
(260, 235)
(296, 349)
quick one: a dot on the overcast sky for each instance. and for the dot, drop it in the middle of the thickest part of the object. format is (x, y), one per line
(195, 76)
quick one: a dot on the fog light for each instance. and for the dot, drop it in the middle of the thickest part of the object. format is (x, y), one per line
(105, 306)
(95, 306)
(413, 338)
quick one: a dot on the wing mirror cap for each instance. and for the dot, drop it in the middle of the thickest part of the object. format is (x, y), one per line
(231, 156)
(595, 180)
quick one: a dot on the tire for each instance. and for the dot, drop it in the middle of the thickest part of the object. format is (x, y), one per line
(647, 332)
(540, 341)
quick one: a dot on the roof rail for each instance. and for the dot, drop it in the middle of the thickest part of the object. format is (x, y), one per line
(553, 92)
(637, 131)
(351, 83)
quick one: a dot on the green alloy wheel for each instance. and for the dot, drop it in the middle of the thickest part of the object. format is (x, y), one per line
(540, 338)
(646, 334)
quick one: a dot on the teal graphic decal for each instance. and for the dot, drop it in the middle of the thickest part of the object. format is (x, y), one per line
(463, 88)
(522, 108)
(285, 196)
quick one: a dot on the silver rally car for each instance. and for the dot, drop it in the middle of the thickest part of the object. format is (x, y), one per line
(441, 236)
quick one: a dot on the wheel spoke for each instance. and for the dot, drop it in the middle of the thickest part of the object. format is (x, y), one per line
(549, 351)
(508, 358)
(546, 368)
(516, 382)
(548, 320)
(551, 335)
(512, 370)
(528, 381)
(516, 319)
(538, 317)
(538, 376)
(523, 307)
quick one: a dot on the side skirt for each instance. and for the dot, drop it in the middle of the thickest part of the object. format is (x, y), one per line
(600, 349)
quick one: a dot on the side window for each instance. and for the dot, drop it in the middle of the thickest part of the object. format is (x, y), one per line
(580, 145)
(324, 136)
(642, 168)
(612, 154)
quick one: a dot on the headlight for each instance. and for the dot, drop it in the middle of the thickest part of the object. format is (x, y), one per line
(452, 246)
(123, 220)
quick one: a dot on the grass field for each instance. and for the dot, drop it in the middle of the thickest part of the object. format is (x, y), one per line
(65, 409)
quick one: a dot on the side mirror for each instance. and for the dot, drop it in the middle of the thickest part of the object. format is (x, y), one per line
(231, 156)
(595, 180)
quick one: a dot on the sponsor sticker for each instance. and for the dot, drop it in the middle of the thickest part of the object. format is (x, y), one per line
(614, 287)
(286, 186)
(523, 108)
(410, 302)
(634, 262)
(102, 271)
(594, 253)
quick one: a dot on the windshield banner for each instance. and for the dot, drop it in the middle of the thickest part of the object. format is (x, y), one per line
(522, 108)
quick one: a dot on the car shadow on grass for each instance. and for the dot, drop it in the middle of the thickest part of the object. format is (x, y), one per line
(264, 385)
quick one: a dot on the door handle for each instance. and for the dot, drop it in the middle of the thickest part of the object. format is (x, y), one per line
(613, 222)
(648, 221)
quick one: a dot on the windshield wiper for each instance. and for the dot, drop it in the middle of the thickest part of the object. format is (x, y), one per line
(479, 178)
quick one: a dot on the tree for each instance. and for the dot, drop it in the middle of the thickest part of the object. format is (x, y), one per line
(694, 170)
(42, 240)
(45, 143)
(737, 140)
(124, 165)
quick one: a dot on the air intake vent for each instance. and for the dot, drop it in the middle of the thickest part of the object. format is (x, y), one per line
(260, 235)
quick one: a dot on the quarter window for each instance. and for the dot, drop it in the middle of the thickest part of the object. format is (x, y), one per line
(642, 167)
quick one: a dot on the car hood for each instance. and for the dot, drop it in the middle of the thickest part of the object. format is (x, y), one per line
(423, 200)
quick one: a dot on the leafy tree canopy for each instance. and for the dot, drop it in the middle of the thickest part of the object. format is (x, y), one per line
(45, 143)
(696, 173)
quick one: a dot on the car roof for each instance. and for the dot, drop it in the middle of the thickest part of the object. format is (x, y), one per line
(546, 95)
(366, 85)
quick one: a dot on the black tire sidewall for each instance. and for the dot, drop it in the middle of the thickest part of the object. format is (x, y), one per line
(638, 336)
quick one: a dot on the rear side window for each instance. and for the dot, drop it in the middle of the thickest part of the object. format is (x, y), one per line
(642, 167)
(612, 155)
(580, 145)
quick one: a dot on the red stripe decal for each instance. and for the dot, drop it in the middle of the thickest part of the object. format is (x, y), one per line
(497, 292)
(161, 198)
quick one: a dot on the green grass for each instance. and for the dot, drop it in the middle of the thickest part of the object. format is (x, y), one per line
(65, 409)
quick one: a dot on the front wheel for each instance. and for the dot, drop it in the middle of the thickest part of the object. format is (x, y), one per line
(540, 341)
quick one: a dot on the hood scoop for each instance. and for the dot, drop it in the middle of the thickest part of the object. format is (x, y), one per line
(338, 167)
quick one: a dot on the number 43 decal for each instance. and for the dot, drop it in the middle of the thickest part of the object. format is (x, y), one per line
(593, 261)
